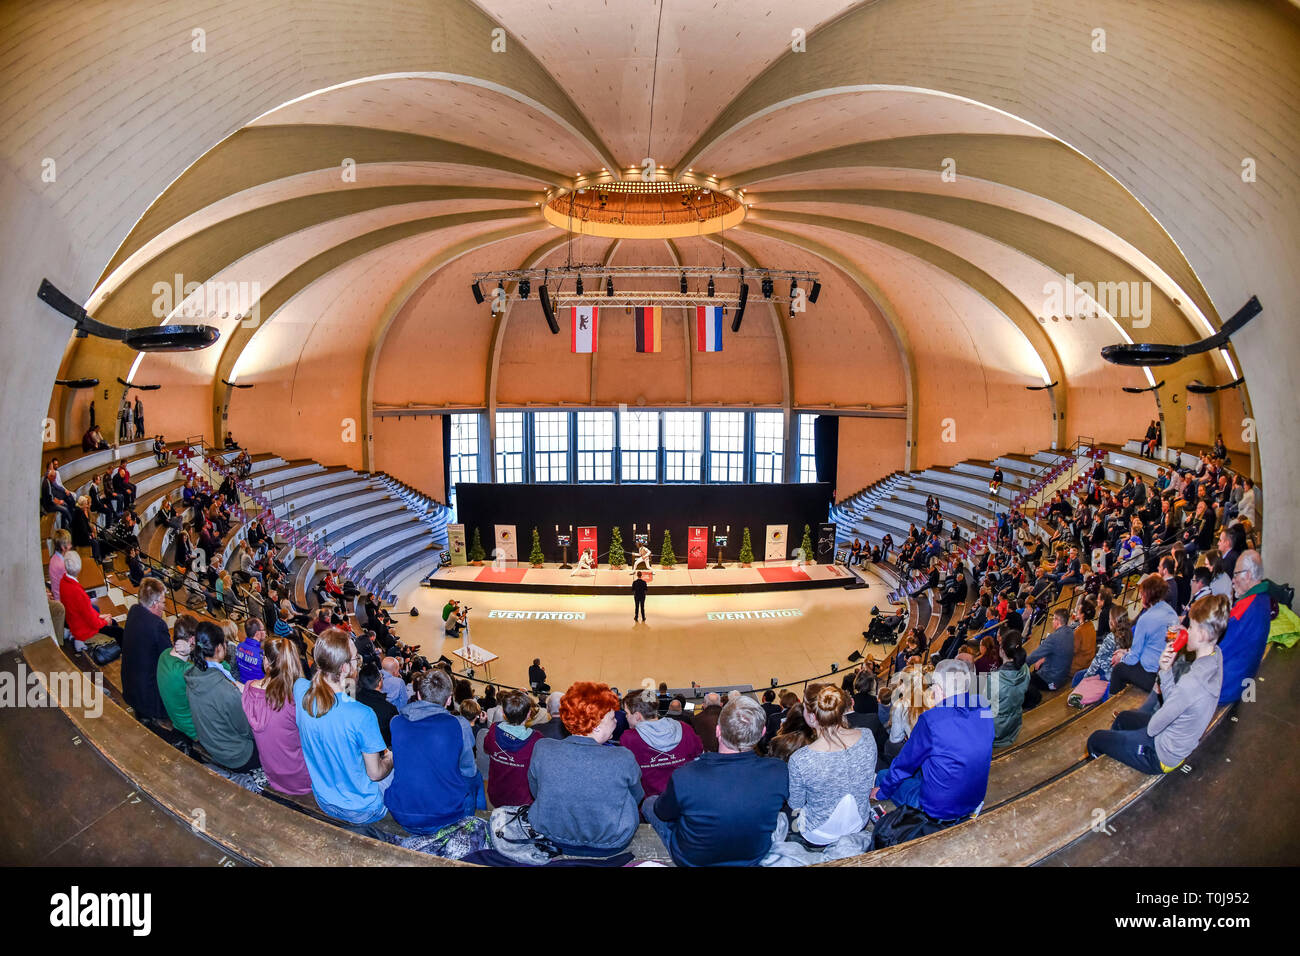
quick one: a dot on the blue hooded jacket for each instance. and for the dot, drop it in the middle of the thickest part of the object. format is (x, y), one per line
(952, 746)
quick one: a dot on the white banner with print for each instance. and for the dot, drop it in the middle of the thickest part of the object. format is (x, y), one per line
(456, 544)
(506, 542)
(776, 544)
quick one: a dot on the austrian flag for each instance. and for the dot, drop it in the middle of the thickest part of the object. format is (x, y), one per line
(583, 319)
(708, 328)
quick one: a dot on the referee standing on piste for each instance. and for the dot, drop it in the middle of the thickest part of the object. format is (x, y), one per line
(639, 589)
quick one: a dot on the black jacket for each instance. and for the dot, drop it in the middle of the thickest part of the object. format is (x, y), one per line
(144, 640)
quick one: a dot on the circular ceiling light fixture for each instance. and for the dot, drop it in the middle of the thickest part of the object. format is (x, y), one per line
(645, 210)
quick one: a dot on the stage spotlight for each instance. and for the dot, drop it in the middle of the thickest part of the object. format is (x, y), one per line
(579, 285)
(815, 291)
(499, 299)
(478, 293)
(773, 681)
(547, 311)
(740, 307)
(683, 283)
(525, 287)
(609, 285)
(834, 667)
(766, 286)
(794, 287)
(710, 287)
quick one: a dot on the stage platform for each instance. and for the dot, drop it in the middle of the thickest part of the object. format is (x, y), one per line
(732, 579)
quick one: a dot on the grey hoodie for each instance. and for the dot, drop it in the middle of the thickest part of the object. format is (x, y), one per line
(1189, 705)
(662, 735)
(1006, 693)
(219, 716)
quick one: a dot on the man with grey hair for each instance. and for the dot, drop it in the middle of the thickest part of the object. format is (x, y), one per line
(723, 809)
(552, 727)
(705, 722)
(950, 750)
(1242, 644)
(144, 640)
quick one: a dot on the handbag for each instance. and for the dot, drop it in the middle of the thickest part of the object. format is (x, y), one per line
(513, 836)
(104, 652)
(906, 823)
(1090, 691)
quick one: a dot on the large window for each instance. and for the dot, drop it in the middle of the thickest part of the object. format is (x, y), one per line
(683, 440)
(595, 446)
(510, 447)
(551, 446)
(463, 453)
(769, 446)
(639, 445)
(807, 448)
(726, 446)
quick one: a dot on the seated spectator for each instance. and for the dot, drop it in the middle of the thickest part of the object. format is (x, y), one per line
(775, 718)
(705, 722)
(322, 622)
(989, 658)
(1006, 688)
(722, 809)
(395, 688)
(249, 653)
(370, 691)
(268, 705)
(1085, 633)
(215, 703)
(1049, 662)
(83, 619)
(548, 723)
(1247, 629)
(952, 749)
(435, 780)
(1158, 740)
(349, 764)
(173, 664)
(1139, 665)
(509, 746)
(62, 545)
(144, 640)
(586, 797)
(795, 734)
(660, 745)
(831, 778)
(1110, 652)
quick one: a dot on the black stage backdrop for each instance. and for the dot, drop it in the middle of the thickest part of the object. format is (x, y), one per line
(674, 507)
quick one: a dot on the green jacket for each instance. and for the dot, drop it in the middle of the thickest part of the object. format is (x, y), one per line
(219, 716)
(1007, 699)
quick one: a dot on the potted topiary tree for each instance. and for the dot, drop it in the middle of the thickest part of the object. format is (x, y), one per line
(809, 556)
(476, 553)
(668, 559)
(746, 550)
(616, 556)
(536, 557)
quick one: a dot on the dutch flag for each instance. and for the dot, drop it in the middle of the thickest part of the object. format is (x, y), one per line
(708, 328)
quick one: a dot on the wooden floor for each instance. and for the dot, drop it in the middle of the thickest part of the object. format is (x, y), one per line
(679, 642)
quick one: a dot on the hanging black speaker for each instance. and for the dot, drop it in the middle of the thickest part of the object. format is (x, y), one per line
(547, 310)
(478, 293)
(740, 307)
(815, 291)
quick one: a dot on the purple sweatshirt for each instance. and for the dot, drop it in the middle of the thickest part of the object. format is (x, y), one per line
(278, 745)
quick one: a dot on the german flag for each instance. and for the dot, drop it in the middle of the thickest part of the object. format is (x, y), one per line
(649, 320)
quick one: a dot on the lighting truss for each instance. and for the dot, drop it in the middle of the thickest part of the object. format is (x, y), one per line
(595, 275)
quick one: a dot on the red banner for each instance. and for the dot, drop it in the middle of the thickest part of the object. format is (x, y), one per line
(587, 542)
(697, 548)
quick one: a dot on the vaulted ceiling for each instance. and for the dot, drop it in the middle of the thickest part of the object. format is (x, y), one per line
(938, 216)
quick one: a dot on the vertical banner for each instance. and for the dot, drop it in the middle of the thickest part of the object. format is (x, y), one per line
(582, 322)
(825, 543)
(456, 544)
(697, 548)
(506, 541)
(776, 544)
(587, 542)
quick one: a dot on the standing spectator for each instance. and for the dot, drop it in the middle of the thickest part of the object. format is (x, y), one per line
(215, 702)
(144, 640)
(435, 780)
(1007, 686)
(1158, 741)
(831, 778)
(268, 706)
(1139, 666)
(586, 796)
(173, 664)
(706, 722)
(661, 745)
(509, 746)
(537, 677)
(345, 753)
(139, 419)
(723, 809)
(952, 748)
(1247, 628)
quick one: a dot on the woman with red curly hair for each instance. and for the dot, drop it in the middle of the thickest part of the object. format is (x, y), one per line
(586, 791)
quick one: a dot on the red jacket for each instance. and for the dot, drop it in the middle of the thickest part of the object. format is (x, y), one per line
(82, 619)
